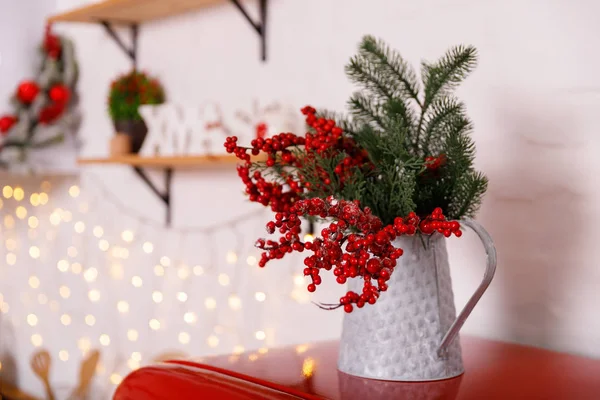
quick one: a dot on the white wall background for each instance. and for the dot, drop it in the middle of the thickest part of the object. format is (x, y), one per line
(532, 99)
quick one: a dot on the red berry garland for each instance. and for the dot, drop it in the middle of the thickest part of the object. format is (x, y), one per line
(50, 113)
(7, 122)
(27, 91)
(368, 253)
(59, 94)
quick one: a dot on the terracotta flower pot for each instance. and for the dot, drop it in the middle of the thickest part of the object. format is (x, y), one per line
(120, 145)
(136, 129)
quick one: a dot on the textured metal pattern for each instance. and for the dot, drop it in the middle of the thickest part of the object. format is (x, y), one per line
(398, 337)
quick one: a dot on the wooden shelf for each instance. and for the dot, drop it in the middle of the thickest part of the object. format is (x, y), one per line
(163, 162)
(132, 13)
(129, 12)
(166, 162)
(167, 165)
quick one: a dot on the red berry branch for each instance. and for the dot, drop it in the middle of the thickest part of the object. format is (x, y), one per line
(354, 245)
(290, 150)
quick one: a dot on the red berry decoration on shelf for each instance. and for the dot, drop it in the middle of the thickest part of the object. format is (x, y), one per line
(41, 100)
(50, 113)
(27, 91)
(7, 122)
(59, 94)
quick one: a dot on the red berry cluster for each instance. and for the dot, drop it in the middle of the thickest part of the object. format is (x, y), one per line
(437, 222)
(27, 91)
(355, 244)
(60, 96)
(328, 140)
(326, 135)
(299, 157)
(434, 163)
(259, 189)
(51, 113)
(6, 123)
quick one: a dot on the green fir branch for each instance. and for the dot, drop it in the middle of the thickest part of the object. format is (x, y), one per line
(437, 120)
(389, 193)
(471, 189)
(446, 73)
(443, 75)
(361, 71)
(399, 121)
(367, 110)
(393, 63)
(403, 116)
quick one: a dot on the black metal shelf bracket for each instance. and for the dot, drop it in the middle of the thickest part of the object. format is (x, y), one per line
(165, 196)
(259, 27)
(130, 52)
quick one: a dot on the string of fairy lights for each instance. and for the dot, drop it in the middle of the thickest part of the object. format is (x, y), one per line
(100, 272)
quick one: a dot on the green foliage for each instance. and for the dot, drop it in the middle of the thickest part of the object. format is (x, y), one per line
(130, 91)
(400, 121)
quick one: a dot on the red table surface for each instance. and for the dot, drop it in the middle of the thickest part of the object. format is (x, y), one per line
(494, 370)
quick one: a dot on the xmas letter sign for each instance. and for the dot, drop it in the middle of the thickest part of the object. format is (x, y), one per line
(175, 129)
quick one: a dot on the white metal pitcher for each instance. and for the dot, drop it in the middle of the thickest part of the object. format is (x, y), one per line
(411, 333)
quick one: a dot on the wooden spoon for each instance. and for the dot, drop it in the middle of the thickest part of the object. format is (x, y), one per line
(86, 373)
(40, 363)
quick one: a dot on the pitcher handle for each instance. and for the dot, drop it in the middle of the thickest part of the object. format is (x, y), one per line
(490, 269)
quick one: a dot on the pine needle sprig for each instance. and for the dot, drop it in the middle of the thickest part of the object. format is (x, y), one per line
(440, 77)
(443, 112)
(390, 61)
(400, 122)
(371, 78)
(470, 190)
(367, 110)
(447, 73)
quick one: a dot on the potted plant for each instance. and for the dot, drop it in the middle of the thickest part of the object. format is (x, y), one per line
(392, 181)
(127, 93)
